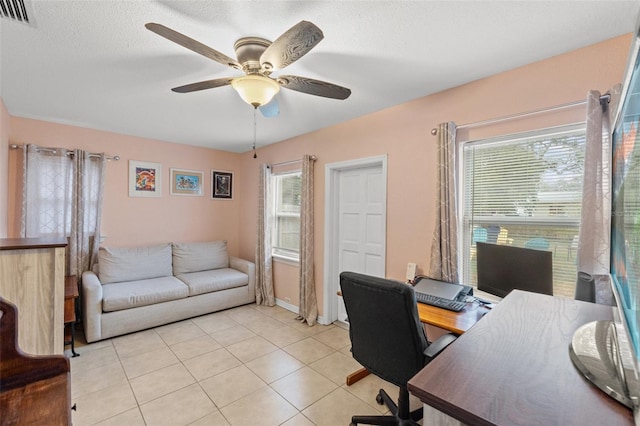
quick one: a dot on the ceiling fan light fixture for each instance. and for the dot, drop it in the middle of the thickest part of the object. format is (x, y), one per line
(255, 89)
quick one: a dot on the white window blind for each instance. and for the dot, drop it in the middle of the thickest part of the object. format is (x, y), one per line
(525, 191)
(286, 237)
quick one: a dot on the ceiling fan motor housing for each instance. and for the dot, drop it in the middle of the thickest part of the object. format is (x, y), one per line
(248, 51)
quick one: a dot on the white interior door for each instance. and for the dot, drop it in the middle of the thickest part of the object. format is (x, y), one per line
(358, 222)
(361, 226)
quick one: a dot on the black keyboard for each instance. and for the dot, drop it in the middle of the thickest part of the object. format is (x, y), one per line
(452, 305)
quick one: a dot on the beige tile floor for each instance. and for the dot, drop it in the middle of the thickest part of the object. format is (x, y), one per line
(251, 365)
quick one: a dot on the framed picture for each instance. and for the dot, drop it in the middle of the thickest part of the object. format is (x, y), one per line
(186, 182)
(145, 179)
(221, 185)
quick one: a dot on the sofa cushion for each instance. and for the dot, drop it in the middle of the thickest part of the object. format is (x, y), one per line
(213, 280)
(132, 294)
(132, 264)
(194, 257)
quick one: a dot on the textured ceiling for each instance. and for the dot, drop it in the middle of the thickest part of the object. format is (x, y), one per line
(93, 63)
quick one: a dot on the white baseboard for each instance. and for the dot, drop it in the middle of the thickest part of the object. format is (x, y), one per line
(287, 306)
(293, 308)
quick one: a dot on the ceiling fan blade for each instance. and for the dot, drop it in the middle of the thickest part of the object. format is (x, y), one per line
(272, 109)
(202, 85)
(291, 46)
(192, 44)
(314, 87)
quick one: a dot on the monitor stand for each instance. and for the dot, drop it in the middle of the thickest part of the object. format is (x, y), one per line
(600, 351)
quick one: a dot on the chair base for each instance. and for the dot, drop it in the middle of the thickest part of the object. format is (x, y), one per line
(400, 414)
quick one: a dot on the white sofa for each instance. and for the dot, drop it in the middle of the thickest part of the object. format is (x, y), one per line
(133, 289)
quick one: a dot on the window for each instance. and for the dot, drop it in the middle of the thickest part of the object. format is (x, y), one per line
(52, 182)
(48, 194)
(526, 191)
(286, 229)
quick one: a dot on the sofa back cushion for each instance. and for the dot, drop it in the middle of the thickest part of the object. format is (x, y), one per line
(135, 263)
(194, 257)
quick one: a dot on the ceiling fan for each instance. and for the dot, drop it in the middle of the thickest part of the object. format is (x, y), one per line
(258, 58)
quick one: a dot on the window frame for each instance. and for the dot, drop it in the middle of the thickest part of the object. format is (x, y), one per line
(52, 204)
(464, 246)
(286, 255)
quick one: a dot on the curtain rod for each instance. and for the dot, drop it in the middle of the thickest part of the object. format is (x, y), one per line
(284, 163)
(53, 151)
(606, 97)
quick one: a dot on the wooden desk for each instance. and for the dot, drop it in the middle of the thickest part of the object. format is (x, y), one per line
(513, 368)
(455, 322)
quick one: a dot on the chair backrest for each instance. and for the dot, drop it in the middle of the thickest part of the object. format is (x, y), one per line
(492, 234)
(537, 243)
(479, 235)
(585, 288)
(502, 236)
(387, 337)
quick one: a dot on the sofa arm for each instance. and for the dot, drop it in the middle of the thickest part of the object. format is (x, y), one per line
(91, 306)
(248, 268)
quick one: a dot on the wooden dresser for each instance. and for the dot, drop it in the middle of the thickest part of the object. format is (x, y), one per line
(32, 277)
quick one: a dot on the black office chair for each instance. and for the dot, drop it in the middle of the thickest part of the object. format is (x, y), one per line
(585, 288)
(388, 339)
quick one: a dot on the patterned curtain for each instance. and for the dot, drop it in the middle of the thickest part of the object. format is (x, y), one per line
(47, 179)
(62, 196)
(308, 306)
(88, 192)
(595, 221)
(444, 247)
(264, 272)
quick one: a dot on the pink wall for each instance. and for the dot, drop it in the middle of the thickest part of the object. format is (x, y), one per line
(129, 221)
(403, 133)
(4, 168)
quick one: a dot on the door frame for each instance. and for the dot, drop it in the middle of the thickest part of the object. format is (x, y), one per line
(331, 220)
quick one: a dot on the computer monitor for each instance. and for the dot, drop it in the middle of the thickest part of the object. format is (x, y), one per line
(625, 203)
(504, 268)
(607, 353)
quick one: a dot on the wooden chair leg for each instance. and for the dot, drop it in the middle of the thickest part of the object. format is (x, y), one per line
(357, 375)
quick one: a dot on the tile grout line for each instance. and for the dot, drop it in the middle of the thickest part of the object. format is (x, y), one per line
(247, 324)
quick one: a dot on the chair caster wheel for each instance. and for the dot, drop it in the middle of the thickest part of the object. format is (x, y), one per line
(379, 399)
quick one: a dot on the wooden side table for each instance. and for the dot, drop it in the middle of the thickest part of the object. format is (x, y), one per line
(70, 296)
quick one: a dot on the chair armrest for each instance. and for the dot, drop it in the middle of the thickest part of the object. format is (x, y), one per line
(248, 268)
(438, 346)
(91, 306)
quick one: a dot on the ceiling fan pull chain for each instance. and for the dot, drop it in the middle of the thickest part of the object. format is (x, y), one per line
(255, 108)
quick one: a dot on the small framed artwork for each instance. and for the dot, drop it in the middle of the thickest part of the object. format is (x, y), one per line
(186, 182)
(221, 185)
(145, 179)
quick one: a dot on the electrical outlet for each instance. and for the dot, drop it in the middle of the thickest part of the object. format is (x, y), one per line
(411, 271)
